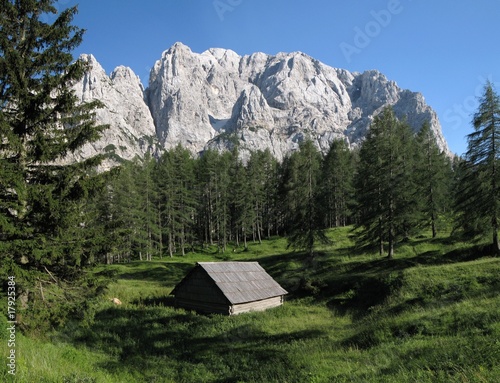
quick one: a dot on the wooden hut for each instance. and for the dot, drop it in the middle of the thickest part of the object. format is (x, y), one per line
(228, 288)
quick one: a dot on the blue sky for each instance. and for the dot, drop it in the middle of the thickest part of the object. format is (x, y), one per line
(444, 49)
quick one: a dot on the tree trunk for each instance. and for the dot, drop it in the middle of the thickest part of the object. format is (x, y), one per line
(380, 238)
(170, 245)
(390, 255)
(258, 234)
(182, 242)
(433, 225)
(496, 243)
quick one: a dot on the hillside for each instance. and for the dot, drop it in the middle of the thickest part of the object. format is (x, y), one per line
(430, 315)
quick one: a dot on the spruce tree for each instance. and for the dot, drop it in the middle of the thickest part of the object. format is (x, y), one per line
(41, 121)
(478, 204)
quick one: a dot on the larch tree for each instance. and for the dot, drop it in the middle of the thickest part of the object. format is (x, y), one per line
(305, 229)
(478, 204)
(337, 189)
(242, 213)
(434, 175)
(385, 183)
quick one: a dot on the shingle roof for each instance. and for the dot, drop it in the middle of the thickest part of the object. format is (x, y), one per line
(242, 282)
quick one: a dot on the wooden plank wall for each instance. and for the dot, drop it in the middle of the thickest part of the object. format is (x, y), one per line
(200, 287)
(203, 307)
(257, 305)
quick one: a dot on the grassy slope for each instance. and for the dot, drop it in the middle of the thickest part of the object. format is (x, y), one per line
(430, 315)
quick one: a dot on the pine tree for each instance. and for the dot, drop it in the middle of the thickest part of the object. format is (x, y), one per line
(478, 205)
(124, 206)
(144, 207)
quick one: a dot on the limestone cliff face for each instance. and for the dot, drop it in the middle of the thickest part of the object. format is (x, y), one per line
(218, 99)
(132, 131)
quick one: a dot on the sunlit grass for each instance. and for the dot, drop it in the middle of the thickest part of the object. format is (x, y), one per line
(430, 315)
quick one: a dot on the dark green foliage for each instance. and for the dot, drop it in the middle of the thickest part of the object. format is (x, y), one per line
(176, 186)
(241, 205)
(262, 180)
(213, 183)
(129, 213)
(385, 184)
(302, 173)
(478, 202)
(433, 178)
(42, 201)
(336, 185)
(218, 198)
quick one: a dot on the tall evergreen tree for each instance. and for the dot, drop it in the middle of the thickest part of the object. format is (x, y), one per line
(270, 207)
(337, 189)
(175, 179)
(43, 224)
(305, 227)
(40, 122)
(185, 199)
(164, 175)
(478, 205)
(260, 169)
(384, 183)
(434, 176)
(241, 201)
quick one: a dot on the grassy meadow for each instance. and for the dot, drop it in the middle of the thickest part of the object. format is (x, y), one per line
(432, 314)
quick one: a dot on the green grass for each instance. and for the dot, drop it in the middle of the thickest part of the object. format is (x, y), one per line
(430, 315)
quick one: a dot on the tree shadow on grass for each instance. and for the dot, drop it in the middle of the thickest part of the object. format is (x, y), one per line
(364, 285)
(164, 273)
(160, 342)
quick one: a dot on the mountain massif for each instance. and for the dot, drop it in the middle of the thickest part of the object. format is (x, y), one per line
(218, 99)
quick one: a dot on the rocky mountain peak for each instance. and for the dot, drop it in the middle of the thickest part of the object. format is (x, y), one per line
(132, 131)
(218, 99)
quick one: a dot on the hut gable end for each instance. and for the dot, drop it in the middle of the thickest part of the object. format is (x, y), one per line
(197, 285)
(228, 287)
